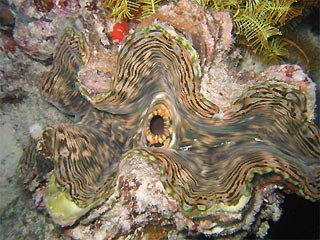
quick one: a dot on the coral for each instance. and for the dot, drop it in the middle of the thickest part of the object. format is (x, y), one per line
(259, 25)
(152, 150)
(211, 38)
(307, 50)
(7, 20)
(149, 7)
(132, 9)
(119, 31)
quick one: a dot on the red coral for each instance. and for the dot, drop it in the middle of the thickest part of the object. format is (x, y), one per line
(119, 32)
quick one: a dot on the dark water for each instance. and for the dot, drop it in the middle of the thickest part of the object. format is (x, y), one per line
(300, 220)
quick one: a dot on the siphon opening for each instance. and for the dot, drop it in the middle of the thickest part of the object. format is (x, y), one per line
(157, 125)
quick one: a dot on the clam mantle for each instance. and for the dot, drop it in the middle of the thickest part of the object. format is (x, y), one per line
(216, 169)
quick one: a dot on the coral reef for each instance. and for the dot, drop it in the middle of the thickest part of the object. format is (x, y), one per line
(170, 138)
(258, 25)
(19, 101)
(154, 109)
(131, 9)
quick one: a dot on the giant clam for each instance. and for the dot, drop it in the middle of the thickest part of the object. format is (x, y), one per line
(222, 167)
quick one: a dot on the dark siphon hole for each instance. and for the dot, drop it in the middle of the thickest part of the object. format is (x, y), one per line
(157, 125)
